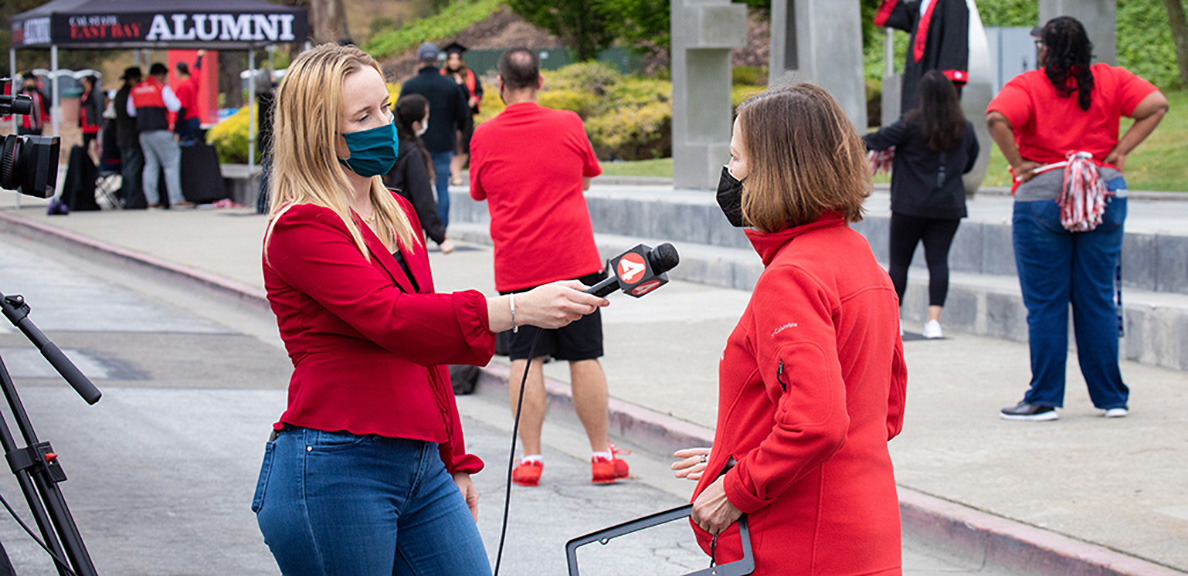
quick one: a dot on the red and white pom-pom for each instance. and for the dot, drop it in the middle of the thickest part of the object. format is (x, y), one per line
(1083, 195)
(881, 160)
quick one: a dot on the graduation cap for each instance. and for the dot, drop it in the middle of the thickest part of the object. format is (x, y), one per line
(454, 48)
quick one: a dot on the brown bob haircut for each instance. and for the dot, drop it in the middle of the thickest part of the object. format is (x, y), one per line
(804, 158)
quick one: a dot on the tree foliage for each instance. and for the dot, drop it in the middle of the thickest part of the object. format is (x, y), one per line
(448, 23)
(1179, 32)
(580, 24)
(1145, 44)
(639, 22)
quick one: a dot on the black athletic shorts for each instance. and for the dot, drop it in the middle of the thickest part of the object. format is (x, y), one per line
(581, 340)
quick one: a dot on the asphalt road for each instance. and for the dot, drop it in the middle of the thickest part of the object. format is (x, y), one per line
(161, 470)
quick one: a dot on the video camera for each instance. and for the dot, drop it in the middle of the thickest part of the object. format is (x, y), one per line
(28, 164)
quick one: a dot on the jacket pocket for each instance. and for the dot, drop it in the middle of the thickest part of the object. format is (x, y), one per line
(265, 473)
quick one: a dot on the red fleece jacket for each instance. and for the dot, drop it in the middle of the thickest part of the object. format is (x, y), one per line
(812, 386)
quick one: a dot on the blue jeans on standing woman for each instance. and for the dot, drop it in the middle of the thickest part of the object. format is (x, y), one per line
(441, 171)
(1057, 267)
(334, 503)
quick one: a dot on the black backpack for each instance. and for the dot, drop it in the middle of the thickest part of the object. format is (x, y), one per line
(464, 378)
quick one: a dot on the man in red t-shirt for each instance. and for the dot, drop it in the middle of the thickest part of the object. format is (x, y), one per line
(532, 164)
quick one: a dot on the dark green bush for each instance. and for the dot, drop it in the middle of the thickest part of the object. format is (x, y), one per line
(749, 75)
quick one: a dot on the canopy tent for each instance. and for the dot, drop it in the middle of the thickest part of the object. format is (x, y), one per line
(115, 24)
(145, 24)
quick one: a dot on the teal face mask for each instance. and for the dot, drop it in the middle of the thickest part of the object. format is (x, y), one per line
(373, 152)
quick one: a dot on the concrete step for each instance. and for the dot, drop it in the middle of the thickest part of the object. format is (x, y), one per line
(1155, 249)
(1156, 323)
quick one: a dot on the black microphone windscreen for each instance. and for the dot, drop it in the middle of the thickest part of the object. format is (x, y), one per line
(663, 258)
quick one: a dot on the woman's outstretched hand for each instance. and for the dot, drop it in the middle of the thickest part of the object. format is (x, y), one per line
(550, 306)
(556, 305)
(692, 462)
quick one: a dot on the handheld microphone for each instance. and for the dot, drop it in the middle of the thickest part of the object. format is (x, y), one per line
(638, 271)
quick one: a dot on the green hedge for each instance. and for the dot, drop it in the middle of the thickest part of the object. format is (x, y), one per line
(627, 117)
(230, 138)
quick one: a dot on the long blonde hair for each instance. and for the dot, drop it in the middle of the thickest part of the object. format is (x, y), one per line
(305, 168)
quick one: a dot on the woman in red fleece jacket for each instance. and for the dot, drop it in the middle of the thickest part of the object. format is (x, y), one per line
(812, 381)
(367, 473)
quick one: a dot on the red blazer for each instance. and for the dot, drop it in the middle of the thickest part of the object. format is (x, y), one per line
(367, 350)
(811, 388)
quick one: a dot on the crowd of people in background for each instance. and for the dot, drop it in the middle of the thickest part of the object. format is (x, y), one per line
(136, 130)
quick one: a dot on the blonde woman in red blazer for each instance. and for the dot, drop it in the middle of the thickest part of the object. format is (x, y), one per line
(812, 381)
(367, 472)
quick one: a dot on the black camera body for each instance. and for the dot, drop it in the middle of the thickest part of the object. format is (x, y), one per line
(28, 164)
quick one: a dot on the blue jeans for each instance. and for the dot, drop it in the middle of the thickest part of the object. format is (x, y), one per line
(441, 171)
(161, 151)
(1057, 267)
(188, 129)
(333, 503)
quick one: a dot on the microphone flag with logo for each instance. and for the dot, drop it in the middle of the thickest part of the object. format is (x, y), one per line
(638, 271)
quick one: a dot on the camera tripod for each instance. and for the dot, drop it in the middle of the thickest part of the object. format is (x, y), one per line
(36, 465)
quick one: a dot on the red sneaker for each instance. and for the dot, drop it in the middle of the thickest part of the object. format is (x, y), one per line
(607, 471)
(527, 473)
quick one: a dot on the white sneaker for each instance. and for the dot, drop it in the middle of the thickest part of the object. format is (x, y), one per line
(932, 330)
(1117, 412)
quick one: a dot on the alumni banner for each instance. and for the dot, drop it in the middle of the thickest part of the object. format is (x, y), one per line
(122, 23)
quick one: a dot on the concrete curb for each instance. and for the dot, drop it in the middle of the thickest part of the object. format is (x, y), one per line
(1013, 545)
(1002, 542)
(206, 280)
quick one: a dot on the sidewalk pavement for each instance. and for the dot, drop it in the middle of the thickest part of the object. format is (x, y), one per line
(1082, 495)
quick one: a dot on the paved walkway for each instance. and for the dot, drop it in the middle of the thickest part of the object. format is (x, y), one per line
(1117, 483)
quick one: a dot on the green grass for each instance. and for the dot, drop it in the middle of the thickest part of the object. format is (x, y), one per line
(658, 168)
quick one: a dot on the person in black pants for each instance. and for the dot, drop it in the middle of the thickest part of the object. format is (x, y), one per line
(934, 145)
(412, 176)
(128, 139)
(265, 103)
(447, 103)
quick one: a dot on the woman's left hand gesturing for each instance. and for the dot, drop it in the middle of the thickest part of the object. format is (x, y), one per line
(712, 511)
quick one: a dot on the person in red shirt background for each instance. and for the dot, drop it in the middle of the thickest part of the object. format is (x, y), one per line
(367, 471)
(33, 123)
(532, 164)
(90, 112)
(188, 123)
(1069, 110)
(812, 381)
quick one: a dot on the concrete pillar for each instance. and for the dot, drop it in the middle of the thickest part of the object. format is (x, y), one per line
(1098, 17)
(820, 41)
(703, 32)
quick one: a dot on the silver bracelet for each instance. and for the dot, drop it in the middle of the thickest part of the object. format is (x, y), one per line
(511, 299)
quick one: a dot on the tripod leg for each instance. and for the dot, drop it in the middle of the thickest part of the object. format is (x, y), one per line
(5, 564)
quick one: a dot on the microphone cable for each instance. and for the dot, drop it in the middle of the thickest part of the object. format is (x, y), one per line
(511, 458)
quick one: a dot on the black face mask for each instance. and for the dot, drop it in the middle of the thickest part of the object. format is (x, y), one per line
(730, 198)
